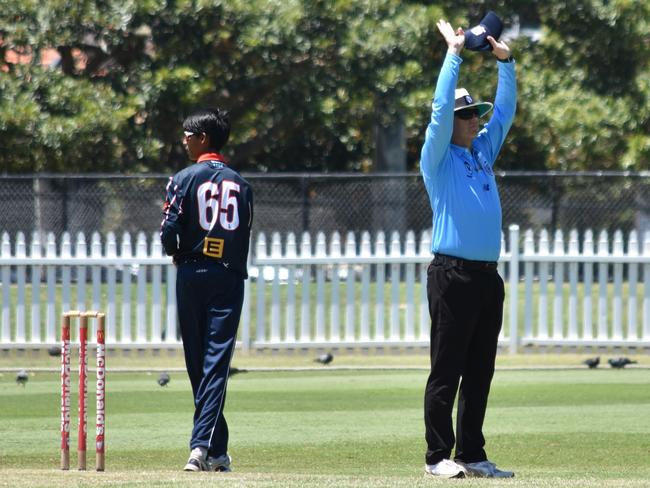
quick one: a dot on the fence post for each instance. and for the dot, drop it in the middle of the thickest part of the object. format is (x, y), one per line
(409, 251)
(81, 252)
(558, 292)
(350, 302)
(260, 327)
(36, 286)
(141, 290)
(529, 266)
(305, 301)
(395, 251)
(588, 278)
(364, 318)
(111, 300)
(290, 315)
(617, 305)
(321, 252)
(276, 252)
(5, 252)
(646, 288)
(50, 252)
(126, 252)
(156, 285)
(514, 284)
(246, 310)
(603, 272)
(96, 276)
(574, 252)
(336, 334)
(21, 253)
(633, 278)
(425, 321)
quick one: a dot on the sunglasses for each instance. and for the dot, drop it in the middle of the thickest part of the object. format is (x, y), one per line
(467, 114)
(187, 134)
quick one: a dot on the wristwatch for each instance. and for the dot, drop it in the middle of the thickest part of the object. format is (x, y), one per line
(509, 59)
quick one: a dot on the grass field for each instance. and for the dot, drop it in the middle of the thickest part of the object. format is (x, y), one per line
(339, 428)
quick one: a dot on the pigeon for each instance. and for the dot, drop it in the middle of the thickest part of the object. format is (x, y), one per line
(234, 371)
(324, 358)
(592, 362)
(620, 363)
(22, 377)
(54, 351)
(163, 379)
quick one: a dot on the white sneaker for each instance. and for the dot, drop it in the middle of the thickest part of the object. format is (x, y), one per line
(485, 469)
(221, 463)
(445, 469)
(197, 461)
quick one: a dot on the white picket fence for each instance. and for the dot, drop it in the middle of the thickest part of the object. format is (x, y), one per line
(329, 293)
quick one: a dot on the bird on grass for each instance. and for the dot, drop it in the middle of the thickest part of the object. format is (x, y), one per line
(54, 351)
(22, 377)
(324, 358)
(620, 363)
(234, 371)
(592, 362)
(164, 378)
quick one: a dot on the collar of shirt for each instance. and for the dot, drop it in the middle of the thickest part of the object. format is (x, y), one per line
(461, 148)
(211, 157)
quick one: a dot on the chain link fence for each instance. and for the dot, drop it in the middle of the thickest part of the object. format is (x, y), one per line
(329, 202)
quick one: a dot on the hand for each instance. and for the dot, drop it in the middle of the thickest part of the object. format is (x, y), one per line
(499, 48)
(455, 40)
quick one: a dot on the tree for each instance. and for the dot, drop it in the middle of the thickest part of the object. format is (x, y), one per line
(583, 89)
(300, 78)
(307, 80)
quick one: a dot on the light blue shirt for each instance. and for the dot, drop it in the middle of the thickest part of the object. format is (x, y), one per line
(460, 183)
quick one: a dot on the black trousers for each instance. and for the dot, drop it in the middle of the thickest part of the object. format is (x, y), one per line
(466, 309)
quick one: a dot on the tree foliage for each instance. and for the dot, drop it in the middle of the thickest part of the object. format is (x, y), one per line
(307, 80)
(585, 92)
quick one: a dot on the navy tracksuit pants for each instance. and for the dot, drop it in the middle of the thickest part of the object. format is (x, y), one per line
(209, 298)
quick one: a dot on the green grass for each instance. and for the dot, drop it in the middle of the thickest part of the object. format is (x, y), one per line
(355, 359)
(340, 428)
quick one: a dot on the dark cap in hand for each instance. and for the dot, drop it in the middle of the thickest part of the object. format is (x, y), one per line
(476, 37)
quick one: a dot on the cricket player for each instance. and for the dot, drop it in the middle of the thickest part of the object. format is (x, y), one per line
(208, 212)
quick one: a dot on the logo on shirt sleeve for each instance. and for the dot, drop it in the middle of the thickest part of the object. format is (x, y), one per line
(483, 162)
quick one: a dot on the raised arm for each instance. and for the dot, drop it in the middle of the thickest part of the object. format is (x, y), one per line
(440, 128)
(505, 103)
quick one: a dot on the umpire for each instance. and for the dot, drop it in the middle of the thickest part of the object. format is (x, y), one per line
(464, 289)
(208, 214)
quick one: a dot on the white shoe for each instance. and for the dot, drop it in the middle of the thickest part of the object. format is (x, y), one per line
(445, 469)
(221, 463)
(197, 461)
(485, 469)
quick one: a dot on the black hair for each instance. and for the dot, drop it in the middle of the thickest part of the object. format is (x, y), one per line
(214, 122)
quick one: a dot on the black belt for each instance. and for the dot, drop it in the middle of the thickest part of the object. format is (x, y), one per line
(192, 258)
(468, 264)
